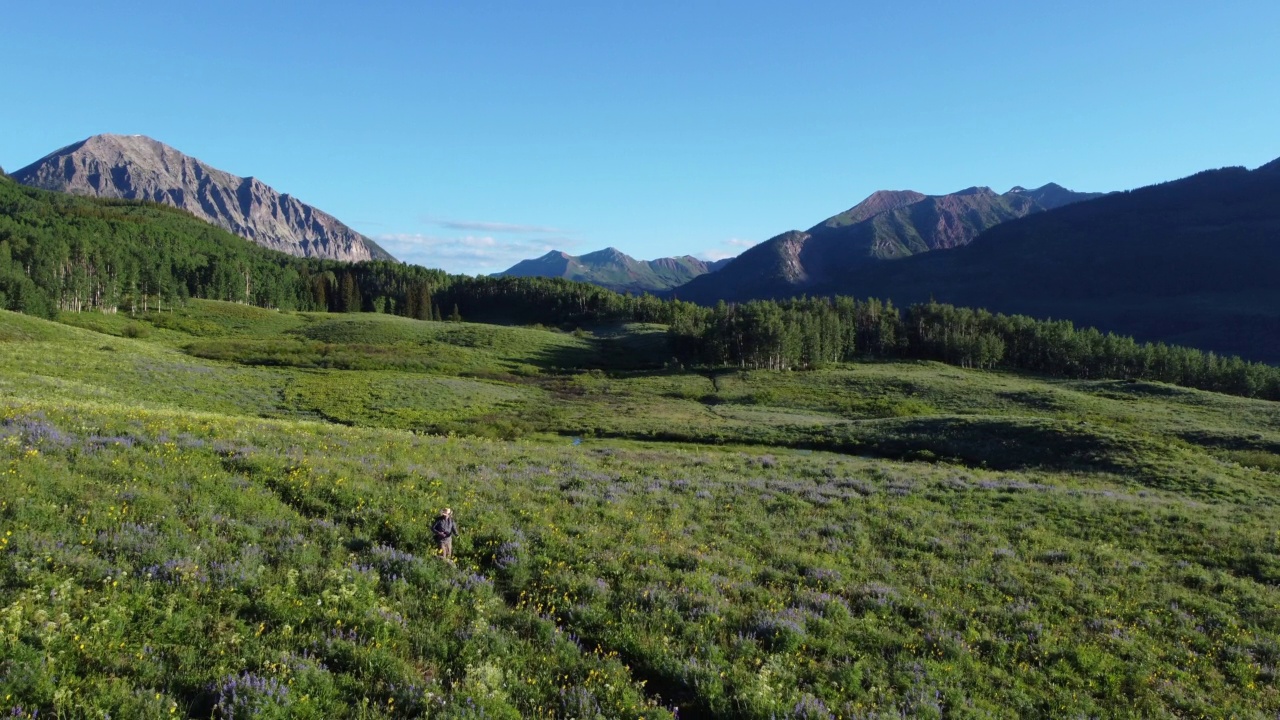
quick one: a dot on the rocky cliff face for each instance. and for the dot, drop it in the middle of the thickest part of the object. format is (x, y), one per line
(895, 224)
(138, 168)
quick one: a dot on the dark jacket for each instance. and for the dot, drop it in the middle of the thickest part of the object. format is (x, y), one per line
(444, 527)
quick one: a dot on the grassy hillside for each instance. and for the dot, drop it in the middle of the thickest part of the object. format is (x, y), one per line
(224, 512)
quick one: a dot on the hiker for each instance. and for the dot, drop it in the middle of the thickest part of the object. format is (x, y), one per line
(445, 528)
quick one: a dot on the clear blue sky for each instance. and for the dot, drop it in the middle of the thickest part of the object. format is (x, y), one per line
(469, 135)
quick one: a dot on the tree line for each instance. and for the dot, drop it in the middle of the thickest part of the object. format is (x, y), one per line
(812, 332)
(60, 253)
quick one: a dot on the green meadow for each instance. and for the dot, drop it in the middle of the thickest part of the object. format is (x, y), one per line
(222, 511)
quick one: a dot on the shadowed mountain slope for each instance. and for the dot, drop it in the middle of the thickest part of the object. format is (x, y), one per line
(136, 167)
(887, 225)
(1192, 262)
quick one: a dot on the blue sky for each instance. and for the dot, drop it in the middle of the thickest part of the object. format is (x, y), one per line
(469, 135)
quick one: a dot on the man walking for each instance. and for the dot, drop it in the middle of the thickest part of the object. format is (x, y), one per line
(445, 528)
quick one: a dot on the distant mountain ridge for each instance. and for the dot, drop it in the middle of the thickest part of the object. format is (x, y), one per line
(1191, 262)
(136, 167)
(613, 269)
(889, 224)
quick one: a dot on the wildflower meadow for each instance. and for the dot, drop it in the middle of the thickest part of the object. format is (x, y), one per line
(208, 519)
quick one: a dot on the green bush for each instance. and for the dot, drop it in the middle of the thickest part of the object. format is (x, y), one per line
(1259, 459)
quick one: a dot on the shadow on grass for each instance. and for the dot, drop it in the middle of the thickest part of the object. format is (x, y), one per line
(997, 444)
(1000, 444)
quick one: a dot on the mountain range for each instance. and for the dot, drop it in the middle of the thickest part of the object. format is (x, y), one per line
(888, 225)
(615, 270)
(1192, 262)
(136, 167)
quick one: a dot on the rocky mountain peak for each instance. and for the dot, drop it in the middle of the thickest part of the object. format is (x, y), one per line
(609, 254)
(1050, 195)
(137, 167)
(877, 202)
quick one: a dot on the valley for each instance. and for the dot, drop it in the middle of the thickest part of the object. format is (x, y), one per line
(640, 361)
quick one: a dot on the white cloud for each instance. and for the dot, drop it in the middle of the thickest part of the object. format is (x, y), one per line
(493, 227)
(470, 254)
(726, 249)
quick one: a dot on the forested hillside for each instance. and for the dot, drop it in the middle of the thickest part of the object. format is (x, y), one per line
(811, 333)
(65, 253)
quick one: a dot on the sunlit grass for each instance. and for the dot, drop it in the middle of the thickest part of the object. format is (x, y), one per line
(989, 545)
